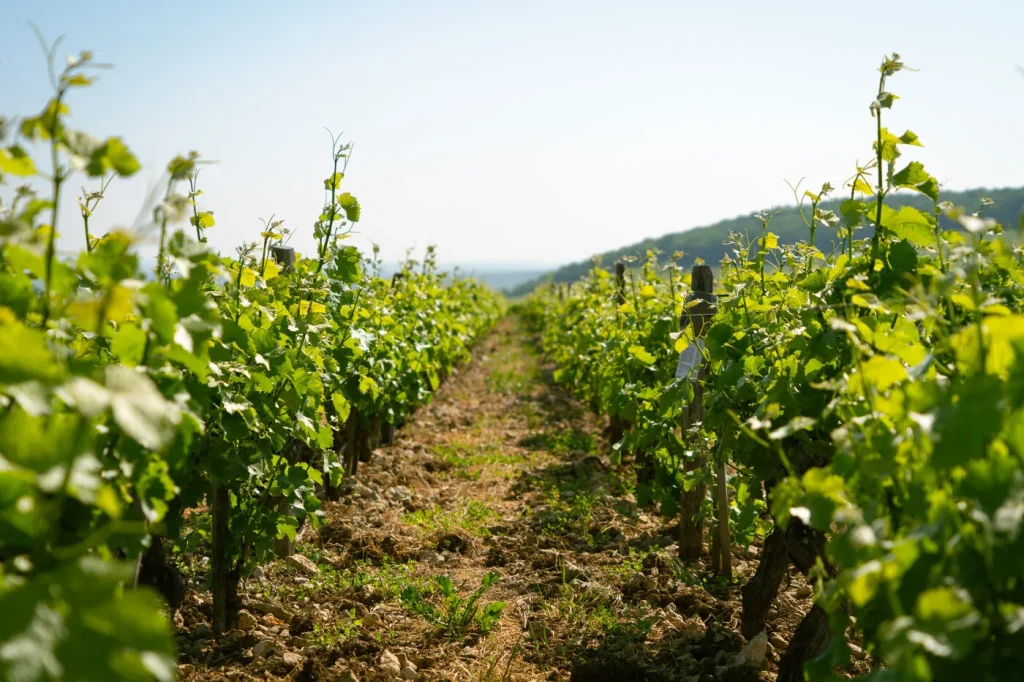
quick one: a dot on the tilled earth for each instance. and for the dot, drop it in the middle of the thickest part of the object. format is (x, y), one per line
(502, 473)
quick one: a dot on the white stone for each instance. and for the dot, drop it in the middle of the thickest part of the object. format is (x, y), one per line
(246, 621)
(291, 659)
(389, 663)
(302, 563)
(264, 648)
(753, 653)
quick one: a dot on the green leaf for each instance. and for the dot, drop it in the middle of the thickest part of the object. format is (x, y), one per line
(203, 220)
(25, 355)
(910, 138)
(489, 615)
(879, 372)
(914, 176)
(78, 622)
(127, 343)
(139, 409)
(114, 156)
(910, 224)
(346, 264)
(641, 354)
(15, 161)
(800, 423)
(853, 212)
(350, 205)
(903, 256)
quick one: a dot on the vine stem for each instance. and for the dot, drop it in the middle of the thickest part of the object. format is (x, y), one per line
(58, 180)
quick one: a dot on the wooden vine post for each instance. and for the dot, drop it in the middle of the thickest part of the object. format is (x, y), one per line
(225, 573)
(284, 255)
(616, 424)
(620, 280)
(699, 308)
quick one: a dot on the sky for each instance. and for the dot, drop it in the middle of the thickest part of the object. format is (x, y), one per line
(521, 133)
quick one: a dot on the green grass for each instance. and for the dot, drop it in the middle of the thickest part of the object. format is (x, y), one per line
(468, 462)
(473, 518)
(562, 442)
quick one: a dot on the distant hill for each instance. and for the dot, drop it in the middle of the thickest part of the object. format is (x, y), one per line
(498, 276)
(707, 242)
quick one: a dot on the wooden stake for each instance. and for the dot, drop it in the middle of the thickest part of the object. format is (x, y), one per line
(699, 308)
(620, 276)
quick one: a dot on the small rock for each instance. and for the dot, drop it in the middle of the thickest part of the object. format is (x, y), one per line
(571, 571)
(302, 563)
(804, 591)
(179, 620)
(185, 670)
(246, 621)
(201, 630)
(291, 659)
(336, 674)
(433, 558)
(371, 621)
(778, 642)
(257, 574)
(409, 671)
(264, 648)
(347, 606)
(275, 610)
(857, 653)
(674, 620)
(638, 583)
(300, 580)
(753, 653)
(389, 663)
(360, 490)
(399, 493)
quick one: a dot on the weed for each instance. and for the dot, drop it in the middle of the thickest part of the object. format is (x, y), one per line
(561, 442)
(491, 673)
(468, 462)
(568, 513)
(507, 382)
(328, 636)
(454, 614)
(473, 518)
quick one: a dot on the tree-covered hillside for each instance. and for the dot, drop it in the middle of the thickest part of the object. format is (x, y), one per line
(707, 243)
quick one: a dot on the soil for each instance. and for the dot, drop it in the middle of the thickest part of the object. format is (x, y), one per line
(505, 473)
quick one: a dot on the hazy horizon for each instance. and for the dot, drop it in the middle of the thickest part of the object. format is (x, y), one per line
(527, 136)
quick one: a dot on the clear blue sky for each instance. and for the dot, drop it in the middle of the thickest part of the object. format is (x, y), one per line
(524, 131)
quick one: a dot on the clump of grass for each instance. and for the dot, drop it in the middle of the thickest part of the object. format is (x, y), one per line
(567, 514)
(473, 518)
(443, 607)
(561, 442)
(468, 462)
(507, 382)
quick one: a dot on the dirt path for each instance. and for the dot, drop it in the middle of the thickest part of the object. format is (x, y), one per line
(503, 473)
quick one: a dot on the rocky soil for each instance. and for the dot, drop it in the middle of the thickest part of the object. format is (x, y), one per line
(503, 473)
